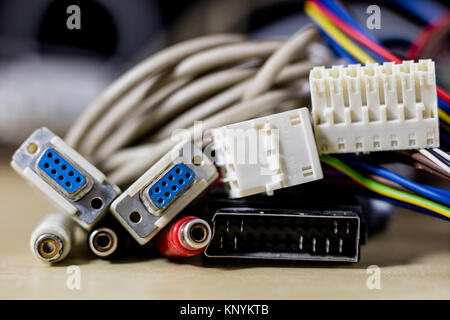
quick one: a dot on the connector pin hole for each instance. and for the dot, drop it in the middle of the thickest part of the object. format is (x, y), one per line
(181, 181)
(50, 155)
(61, 178)
(48, 248)
(53, 171)
(164, 183)
(160, 200)
(171, 177)
(67, 184)
(46, 165)
(167, 194)
(103, 241)
(178, 171)
(57, 161)
(135, 217)
(96, 203)
(78, 179)
(174, 188)
(157, 190)
(71, 173)
(188, 175)
(63, 167)
(199, 233)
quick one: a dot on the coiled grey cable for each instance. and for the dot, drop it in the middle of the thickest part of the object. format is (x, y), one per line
(216, 80)
(152, 65)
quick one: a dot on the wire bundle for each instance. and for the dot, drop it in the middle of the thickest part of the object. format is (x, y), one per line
(352, 42)
(222, 79)
(219, 79)
(343, 31)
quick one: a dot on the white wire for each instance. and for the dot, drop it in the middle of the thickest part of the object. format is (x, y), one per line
(442, 153)
(438, 162)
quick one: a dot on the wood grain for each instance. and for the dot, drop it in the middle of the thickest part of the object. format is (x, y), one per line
(413, 254)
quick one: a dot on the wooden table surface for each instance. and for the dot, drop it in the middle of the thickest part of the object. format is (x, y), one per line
(413, 255)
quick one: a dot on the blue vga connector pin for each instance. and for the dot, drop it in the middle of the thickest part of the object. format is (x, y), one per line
(61, 171)
(170, 185)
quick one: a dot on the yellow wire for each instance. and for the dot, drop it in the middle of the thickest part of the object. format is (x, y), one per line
(444, 116)
(337, 35)
(386, 190)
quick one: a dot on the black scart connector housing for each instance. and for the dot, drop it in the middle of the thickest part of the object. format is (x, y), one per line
(285, 235)
(295, 224)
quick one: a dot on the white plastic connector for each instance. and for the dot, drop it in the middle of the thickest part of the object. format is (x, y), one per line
(375, 107)
(268, 153)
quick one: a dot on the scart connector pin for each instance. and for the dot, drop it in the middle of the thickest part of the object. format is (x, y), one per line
(72, 183)
(163, 191)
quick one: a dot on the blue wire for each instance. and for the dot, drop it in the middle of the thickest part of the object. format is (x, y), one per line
(410, 207)
(444, 192)
(426, 11)
(444, 137)
(339, 10)
(440, 196)
(444, 105)
(338, 49)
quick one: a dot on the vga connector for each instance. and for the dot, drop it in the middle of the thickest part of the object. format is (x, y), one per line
(69, 180)
(286, 234)
(163, 191)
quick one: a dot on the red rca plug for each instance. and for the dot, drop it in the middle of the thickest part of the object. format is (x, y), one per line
(186, 237)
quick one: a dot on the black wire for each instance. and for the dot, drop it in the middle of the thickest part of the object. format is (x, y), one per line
(437, 155)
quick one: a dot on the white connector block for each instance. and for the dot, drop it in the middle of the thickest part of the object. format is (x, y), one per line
(375, 107)
(268, 153)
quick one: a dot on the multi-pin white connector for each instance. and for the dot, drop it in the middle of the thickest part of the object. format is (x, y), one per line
(268, 153)
(165, 189)
(70, 182)
(375, 107)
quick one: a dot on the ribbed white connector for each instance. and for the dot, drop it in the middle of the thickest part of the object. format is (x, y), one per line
(51, 241)
(375, 107)
(268, 153)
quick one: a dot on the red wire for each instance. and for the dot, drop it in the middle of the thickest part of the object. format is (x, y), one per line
(362, 39)
(355, 34)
